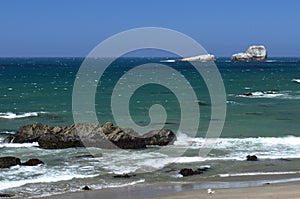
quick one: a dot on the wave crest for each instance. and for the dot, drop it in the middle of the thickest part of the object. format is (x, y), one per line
(11, 115)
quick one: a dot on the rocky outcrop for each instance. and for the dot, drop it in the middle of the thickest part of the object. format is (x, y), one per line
(28, 134)
(8, 161)
(253, 54)
(159, 137)
(86, 188)
(125, 175)
(32, 162)
(6, 195)
(199, 58)
(89, 135)
(252, 158)
(189, 172)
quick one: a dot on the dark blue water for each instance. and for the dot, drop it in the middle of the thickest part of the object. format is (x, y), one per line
(44, 86)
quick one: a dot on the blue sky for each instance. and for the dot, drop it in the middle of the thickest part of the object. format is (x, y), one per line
(37, 28)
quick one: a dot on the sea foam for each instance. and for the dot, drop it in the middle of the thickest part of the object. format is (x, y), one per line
(18, 145)
(43, 179)
(261, 94)
(257, 173)
(10, 115)
(238, 148)
(296, 80)
(168, 61)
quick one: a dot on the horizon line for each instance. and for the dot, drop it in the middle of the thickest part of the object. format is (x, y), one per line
(123, 57)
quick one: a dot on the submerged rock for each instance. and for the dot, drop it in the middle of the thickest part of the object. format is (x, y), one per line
(89, 135)
(126, 175)
(189, 172)
(32, 162)
(252, 158)
(6, 195)
(254, 53)
(199, 58)
(86, 188)
(8, 161)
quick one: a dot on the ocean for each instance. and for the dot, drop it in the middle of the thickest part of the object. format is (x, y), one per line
(262, 119)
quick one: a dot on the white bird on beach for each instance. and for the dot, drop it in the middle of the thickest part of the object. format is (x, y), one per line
(209, 191)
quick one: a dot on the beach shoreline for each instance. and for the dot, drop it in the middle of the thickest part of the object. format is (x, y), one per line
(276, 186)
(276, 191)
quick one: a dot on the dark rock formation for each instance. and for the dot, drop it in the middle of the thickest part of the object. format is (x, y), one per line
(8, 161)
(126, 175)
(32, 162)
(29, 133)
(189, 172)
(89, 135)
(86, 188)
(252, 158)
(159, 137)
(6, 195)
(253, 54)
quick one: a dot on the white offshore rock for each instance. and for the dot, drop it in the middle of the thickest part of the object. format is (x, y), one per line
(240, 57)
(200, 58)
(254, 53)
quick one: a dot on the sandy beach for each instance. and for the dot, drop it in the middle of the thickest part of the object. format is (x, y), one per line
(283, 186)
(275, 191)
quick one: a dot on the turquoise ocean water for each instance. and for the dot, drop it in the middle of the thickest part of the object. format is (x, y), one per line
(263, 101)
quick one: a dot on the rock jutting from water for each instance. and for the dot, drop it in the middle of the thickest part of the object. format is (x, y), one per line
(86, 188)
(251, 158)
(9, 161)
(6, 195)
(253, 54)
(89, 135)
(199, 58)
(32, 162)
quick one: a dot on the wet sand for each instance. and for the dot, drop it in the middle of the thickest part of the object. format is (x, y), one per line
(275, 191)
(282, 186)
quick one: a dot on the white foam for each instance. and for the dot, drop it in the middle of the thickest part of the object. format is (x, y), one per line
(8, 132)
(169, 61)
(10, 115)
(273, 60)
(184, 140)
(18, 145)
(114, 185)
(296, 80)
(262, 94)
(238, 148)
(43, 179)
(189, 159)
(233, 102)
(257, 173)
(122, 162)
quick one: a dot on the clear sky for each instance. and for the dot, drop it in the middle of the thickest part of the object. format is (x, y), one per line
(37, 28)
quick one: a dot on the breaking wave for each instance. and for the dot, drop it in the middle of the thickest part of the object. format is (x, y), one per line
(11, 115)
